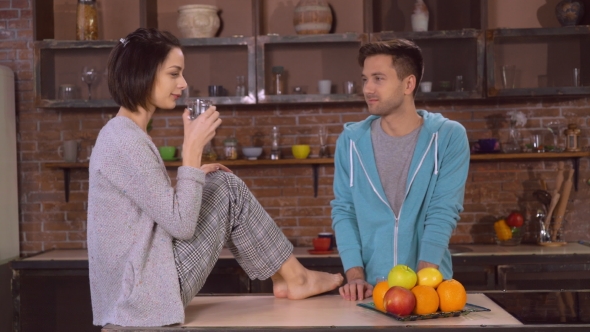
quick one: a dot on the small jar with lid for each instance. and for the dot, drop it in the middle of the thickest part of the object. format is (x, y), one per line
(87, 20)
(230, 148)
(278, 80)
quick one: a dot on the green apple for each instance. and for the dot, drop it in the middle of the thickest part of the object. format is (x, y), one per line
(403, 276)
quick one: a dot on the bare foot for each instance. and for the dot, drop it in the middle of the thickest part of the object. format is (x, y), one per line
(279, 286)
(311, 283)
(299, 283)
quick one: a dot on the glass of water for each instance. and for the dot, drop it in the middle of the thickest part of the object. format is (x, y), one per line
(197, 107)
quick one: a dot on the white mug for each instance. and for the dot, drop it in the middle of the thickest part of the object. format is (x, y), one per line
(426, 86)
(70, 151)
(324, 87)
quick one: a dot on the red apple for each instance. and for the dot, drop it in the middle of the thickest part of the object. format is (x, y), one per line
(515, 219)
(399, 300)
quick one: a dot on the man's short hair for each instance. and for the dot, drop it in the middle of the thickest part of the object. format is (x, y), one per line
(405, 55)
(133, 64)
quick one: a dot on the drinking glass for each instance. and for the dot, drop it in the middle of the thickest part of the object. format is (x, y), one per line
(89, 75)
(508, 73)
(323, 135)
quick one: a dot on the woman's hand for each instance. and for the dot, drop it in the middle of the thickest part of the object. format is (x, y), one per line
(197, 133)
(208, 168)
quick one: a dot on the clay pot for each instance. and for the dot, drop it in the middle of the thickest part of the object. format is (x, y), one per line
(312, 17)
(569, 12)
(198, 21)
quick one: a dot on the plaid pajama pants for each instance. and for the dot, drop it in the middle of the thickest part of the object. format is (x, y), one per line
(229, 214)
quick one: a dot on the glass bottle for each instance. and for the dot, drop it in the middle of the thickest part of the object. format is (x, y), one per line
(87, 20)
(240, 86)
(275, 152)
(231, 148)
(209, 153)
(278, 80)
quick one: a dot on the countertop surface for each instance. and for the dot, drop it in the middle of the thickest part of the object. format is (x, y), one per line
(319, 311)
(470, 250)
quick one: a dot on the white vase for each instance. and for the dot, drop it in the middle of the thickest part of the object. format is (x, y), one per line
(420, 16)
(198, 21)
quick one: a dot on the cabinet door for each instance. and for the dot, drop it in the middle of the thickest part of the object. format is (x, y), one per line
(544, 276)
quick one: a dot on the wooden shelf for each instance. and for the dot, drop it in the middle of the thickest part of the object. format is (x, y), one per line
(239, 162)
(316, 162)
(529, 155)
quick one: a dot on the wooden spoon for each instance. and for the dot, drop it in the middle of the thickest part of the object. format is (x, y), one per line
(562, 205)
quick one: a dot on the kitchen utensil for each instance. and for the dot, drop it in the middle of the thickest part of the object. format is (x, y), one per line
(543, 233)
(555, 192)
(544, 197)
(562, 205)
(554, 200)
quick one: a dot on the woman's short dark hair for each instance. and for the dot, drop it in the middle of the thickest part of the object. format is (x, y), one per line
(133, 64)
(406, 57)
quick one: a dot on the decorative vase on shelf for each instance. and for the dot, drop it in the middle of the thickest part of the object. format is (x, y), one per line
(420, 16)
(312, 17)
(569, 12)
(198, 21)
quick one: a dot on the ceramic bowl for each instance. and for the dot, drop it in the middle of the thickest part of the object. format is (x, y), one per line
(252, 152)
(300, 151)
(167, 152)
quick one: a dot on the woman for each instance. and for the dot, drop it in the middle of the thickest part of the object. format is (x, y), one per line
(151, 245)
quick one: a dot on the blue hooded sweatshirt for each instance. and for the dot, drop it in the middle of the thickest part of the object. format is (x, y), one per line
(368, 233)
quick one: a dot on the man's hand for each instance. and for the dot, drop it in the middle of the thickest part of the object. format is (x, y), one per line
(356, 288)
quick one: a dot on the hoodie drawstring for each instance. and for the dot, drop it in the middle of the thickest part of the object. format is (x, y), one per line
(351, 165)
(436, 153)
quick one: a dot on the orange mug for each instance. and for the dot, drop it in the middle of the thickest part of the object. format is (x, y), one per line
(321, 243)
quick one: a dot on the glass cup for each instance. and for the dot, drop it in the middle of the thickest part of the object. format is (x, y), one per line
(66, 91)
(508, 74)
(537, 142)
(380, 279)
(197, 107)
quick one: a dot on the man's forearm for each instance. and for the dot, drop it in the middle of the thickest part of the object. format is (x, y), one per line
(356, 272)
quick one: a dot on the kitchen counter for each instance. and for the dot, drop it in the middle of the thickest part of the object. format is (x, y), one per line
(326, 311)
(463, 250)
(61, 276)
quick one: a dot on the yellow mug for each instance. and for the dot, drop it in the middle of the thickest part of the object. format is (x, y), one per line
(300, 151)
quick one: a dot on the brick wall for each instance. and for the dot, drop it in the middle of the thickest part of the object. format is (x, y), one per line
(493, 188)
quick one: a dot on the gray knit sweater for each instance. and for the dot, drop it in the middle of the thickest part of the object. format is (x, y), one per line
(133, 215)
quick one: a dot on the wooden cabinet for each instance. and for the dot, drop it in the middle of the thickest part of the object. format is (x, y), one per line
(538, 62)
(256, 35)
(447, 55)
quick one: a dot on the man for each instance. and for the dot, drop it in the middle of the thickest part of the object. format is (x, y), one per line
(400, 175)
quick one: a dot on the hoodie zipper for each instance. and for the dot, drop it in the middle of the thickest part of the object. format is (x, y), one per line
(396, 224)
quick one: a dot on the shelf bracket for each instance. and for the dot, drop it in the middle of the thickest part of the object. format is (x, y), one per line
(576, 168)
(67, 183)
(315, 179)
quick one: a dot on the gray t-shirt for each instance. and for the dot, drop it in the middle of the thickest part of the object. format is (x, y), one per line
(393, 156)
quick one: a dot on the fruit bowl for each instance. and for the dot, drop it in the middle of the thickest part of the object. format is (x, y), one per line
(514, 241)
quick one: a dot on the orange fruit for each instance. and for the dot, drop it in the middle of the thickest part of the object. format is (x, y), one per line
(429, 276)
(426, 300)
(378, 293)
(452, 295)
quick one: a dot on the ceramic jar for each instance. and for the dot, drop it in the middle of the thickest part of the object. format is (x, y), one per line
(569, 12)
(420, 16)
(198, 21)
(312, 17)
